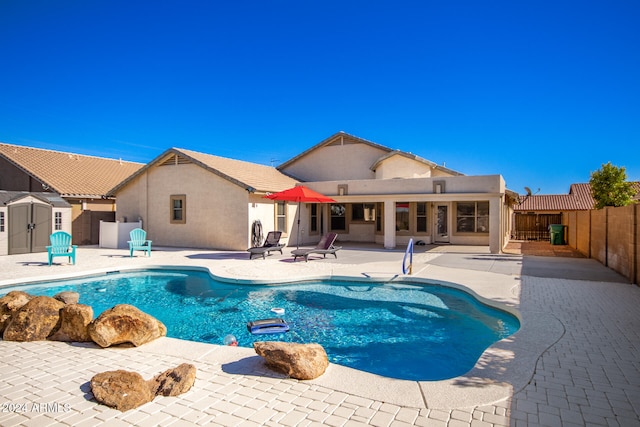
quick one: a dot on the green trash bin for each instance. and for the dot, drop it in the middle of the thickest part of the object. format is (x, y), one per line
(557, 234)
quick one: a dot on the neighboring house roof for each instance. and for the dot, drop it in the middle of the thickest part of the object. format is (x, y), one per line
(71, 175)
(53, 199)
(578, 199)
(252, 177)
(354, 139)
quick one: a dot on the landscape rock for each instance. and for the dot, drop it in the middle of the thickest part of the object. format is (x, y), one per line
(68, 297)
(34, 321)
(9, 304)
(125, 324)
(299, 361)
(74, 323)
(122, 390)
(173, 382)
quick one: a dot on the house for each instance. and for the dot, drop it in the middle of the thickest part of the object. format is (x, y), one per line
(383, 196)
(191, 199)
(388, 196)
(82, 181)
(534, 213)
(34, 216)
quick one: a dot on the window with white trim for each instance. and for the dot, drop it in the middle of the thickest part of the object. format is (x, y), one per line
(472, 217)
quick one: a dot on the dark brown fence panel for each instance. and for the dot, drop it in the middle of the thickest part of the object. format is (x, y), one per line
(534, 226)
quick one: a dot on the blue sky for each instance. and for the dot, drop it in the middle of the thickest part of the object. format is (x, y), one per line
(540, 92)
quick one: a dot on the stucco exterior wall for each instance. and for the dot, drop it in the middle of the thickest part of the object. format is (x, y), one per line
(216, 209)
(347, 162)
(402, 167)
(132, 201)
(420, 186)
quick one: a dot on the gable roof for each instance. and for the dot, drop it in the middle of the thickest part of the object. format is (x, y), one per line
(70, 175)
(252, 177)
(578, 199)
(389, 152)
(339, 136)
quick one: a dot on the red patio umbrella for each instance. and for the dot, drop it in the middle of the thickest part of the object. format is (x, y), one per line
(300, 194)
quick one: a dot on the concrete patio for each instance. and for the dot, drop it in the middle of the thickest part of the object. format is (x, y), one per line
(575, 361)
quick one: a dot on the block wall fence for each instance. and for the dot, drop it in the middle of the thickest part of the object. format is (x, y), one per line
(610, 235)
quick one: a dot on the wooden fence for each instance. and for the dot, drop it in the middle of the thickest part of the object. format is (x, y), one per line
(609, 235)
(533, 226)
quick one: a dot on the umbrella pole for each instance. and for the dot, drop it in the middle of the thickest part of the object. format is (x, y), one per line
(298, 239)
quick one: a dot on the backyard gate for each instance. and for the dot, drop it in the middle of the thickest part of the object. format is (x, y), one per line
(533, 226)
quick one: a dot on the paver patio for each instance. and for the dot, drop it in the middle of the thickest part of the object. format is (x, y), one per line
(581, 368)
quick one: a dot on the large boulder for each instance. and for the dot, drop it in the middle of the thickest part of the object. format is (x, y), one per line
(67, 297)
(34, 321)
(125, 324)
(74, 323)
(175, 381)
(9, 304)
(121, 389)
(126, 390)
(299, 361)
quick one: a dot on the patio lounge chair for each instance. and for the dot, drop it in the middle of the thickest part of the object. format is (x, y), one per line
(325, 246)
(271, 243)
(61, 246)
(139, 241)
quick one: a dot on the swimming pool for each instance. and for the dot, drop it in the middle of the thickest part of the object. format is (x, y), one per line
(403, 330)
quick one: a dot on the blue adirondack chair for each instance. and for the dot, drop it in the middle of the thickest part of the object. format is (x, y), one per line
(139, 241)
(61, 246)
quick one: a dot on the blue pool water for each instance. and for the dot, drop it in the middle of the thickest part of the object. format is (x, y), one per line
(399, 330)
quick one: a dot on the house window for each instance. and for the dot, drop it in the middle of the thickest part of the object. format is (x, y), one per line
(281, 216)
(178, 212)
(338, 217)
(365, 212)
(421, 217)
(402, 216)
(472, 217)
(313, 221)
(1, 222)
(58, 221)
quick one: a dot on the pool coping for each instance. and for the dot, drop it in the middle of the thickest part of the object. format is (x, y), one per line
(502, 370)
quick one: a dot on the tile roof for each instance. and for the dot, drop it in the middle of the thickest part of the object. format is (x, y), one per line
(578, 199)
(251, 176)
(262, 178)
(70, 175)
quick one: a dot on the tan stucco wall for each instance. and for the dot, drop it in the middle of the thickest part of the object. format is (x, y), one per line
(216, 209)
(402, 167)
(454, 186)
(349, 161)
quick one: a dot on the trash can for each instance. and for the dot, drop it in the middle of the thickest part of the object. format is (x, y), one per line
(557, 234)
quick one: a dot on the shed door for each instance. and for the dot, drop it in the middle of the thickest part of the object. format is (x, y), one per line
(41, 220)
(29, 228)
